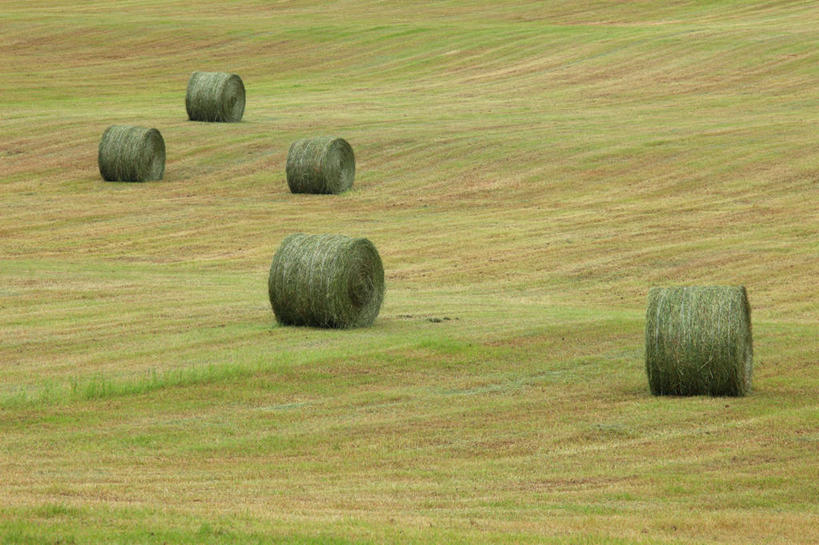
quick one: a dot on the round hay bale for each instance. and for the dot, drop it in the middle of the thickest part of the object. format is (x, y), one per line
(131, 154)
(324, 164)
(215, 96)
(698, 341)
(326, 281)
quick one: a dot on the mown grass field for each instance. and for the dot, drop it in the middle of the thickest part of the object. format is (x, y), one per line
(527, 171)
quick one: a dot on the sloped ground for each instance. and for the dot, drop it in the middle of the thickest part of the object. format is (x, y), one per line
(527, 171)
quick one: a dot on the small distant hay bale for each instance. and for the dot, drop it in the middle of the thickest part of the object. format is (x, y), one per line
(326, 281)
(698, 341)
(215, 96)
(131, 154)
(323, 164)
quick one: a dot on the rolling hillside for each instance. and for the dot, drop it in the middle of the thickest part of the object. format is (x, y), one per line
(527, 170)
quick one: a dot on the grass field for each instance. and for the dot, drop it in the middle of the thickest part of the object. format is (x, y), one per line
(527, 170)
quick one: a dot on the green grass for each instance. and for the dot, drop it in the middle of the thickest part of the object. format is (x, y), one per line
(526, 169)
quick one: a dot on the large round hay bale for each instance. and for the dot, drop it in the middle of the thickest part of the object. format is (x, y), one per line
(326, 281)
(131, 154)
(324, 164)
(215, 96)
(698, 341)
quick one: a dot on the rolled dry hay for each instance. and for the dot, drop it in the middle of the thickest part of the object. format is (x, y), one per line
(131, 154)
(215, 96)
(324, 164)
(326, 281)
(698, 341)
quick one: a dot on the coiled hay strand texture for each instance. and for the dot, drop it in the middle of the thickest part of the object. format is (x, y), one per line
(326, 281)
(324, 164)
(215, 96)
(698, 341)
(131, 154)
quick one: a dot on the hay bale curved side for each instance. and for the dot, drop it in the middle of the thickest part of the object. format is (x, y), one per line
(215, 96)
(326, 281)
(131, 154)
(323, 164)
(698, 341)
